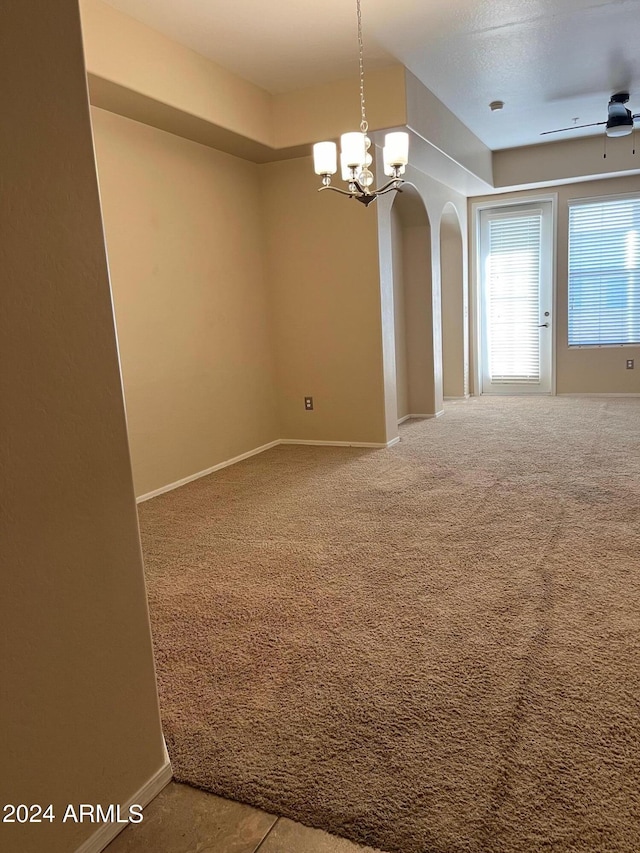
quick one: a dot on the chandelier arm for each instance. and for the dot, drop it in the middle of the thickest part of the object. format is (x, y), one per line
(387, 189)
(390, 185)
(360, 193)
(341, 191)
(395, 184)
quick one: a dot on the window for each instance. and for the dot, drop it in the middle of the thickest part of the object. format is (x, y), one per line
(604, 272)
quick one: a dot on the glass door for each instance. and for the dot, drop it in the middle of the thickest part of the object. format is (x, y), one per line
(516, 299)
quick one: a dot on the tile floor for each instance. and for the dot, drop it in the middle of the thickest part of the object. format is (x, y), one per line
(184, 820)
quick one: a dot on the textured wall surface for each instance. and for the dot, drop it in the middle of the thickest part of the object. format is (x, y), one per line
(79, 716)
(323, 271)
(184, 233)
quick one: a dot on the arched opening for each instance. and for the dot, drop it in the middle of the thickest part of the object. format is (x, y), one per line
(455, 337)
(413, 308)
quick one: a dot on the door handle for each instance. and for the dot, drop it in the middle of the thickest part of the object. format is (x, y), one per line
(543, 325)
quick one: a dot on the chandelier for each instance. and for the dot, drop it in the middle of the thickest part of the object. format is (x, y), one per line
(355, 159)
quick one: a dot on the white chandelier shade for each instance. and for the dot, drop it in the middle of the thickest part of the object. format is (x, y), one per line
(354, 155)
(325, 159)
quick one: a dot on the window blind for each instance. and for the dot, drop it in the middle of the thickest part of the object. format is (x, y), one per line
(513, 298)
(604, 272)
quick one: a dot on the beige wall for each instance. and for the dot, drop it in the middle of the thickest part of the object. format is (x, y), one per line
(589, 370)
(563, 160)
(399, 316)
(330, 109)
(323, 268)
(141, 73)
(419, 317)
(435, 123)
(185, 240)
(79, 715)
(413, 314)
(437, 199)
(455, 339)
(126, 52)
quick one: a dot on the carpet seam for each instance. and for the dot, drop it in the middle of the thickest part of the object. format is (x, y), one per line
(537, 644)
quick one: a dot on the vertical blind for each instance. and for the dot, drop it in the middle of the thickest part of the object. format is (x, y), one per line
(604, 272)
(513, 298)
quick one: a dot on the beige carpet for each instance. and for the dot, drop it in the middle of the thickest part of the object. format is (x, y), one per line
(429, 649)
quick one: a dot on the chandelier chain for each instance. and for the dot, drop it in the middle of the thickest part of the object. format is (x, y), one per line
(364, 126)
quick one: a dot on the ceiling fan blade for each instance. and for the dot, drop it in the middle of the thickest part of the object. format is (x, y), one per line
(573, 127)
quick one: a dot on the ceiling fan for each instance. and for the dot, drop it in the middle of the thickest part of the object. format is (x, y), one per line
(619, 122)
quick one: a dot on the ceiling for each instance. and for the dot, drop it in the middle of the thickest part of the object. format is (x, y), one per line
(550, 61)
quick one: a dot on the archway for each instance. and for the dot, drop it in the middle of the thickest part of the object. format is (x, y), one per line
(413, 308)
(455, 336)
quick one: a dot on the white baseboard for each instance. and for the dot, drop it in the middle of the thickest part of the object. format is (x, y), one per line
(103, 836)
(333, 443)
(207, 471)
(405, 418)
(427, 417)
(183, 482)
(570, 394)
(464, 397)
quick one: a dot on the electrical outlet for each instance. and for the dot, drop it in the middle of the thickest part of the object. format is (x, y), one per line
(630, 364)
(308, 404)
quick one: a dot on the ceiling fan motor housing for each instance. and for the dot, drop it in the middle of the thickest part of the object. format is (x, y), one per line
(620, 121)
(619, 98)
